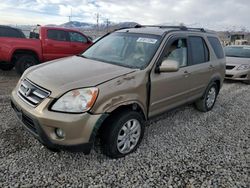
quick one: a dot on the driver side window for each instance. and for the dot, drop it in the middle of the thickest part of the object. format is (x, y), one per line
(177, 51)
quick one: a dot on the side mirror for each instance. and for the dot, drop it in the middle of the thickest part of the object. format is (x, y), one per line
(169, 66)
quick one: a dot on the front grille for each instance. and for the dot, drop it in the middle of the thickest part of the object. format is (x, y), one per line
(31, 93)
(229, 67)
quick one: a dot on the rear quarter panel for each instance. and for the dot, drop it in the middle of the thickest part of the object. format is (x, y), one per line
(9, 45)
(219, 64)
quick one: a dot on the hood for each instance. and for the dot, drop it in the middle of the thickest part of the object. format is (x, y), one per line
(237, 60)
(65, 74)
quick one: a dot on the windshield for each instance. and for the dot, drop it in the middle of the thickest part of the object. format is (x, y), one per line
(241, 51)
(125, 49)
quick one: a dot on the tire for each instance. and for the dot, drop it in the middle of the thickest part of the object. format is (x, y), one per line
(52, 149)
(23, 62)
(116, 147)
(247, 82)
(206, 103)
(6, 66)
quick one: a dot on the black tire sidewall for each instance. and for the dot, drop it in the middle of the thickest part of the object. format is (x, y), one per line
(21, 62)
(247, 82)
(114, 129)
(6, 66)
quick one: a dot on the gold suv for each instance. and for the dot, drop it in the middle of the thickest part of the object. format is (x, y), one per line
(121, 81)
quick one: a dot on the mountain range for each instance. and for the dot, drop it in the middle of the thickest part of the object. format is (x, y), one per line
(102, 26)
(112, 26)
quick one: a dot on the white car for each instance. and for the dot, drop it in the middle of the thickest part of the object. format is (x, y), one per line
(238, 63)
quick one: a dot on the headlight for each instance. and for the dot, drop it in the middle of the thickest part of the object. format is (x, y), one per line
(243, 67)
(76, 101)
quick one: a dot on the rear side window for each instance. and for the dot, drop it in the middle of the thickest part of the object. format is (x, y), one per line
(216, 45)
(10, 32)
(77, 37)
(199, 50)
(57, 35)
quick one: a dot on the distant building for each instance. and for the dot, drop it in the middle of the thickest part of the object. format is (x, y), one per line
(234, 38)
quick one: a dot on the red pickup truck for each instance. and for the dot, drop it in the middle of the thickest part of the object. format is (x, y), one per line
(48, 44)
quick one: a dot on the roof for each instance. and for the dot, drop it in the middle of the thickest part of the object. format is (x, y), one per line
(160, 30)
(9, 27)
(6, 26)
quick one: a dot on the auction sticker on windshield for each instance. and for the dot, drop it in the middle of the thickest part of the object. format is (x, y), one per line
(147, 40)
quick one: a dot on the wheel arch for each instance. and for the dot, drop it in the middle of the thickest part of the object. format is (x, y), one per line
(217, 80)
(18, 52)
(100, 124)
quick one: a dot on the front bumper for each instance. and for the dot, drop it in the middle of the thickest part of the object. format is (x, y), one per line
(235, 74)
(79, 129)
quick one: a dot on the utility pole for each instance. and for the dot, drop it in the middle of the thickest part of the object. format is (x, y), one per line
(107, 25)
(97, 21)
(70, 16)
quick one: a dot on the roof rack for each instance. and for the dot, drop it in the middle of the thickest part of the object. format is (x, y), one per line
(136, 26)
(184, 28)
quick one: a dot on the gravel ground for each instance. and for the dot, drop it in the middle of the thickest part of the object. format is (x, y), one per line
(182, 148)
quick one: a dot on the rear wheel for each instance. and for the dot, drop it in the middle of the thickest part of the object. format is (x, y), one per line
(24, 62)
(6, 66)
(206, 103)
(122, 134)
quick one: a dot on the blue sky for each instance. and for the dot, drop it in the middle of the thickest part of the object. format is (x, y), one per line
(214, 14)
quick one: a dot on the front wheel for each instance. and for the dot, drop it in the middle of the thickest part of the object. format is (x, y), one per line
(247, 82)
(122, 134)
(206, 103)
(24, 62)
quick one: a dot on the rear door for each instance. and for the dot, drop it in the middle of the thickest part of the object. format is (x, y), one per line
(56, 45)
(200, 67)
(79, 42)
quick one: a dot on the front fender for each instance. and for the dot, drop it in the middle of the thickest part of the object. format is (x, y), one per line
(125, 90)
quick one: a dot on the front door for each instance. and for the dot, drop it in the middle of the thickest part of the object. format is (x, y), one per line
(79, 43)
(170, 89)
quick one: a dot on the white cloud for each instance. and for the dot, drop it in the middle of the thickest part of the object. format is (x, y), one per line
(208, 13)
